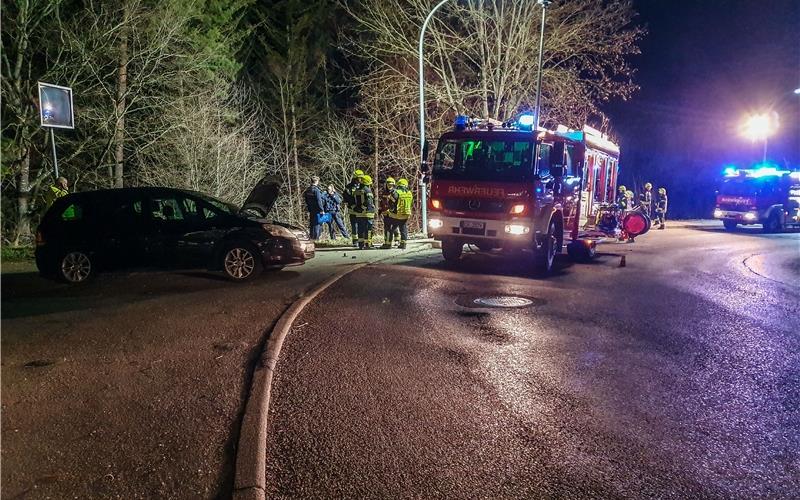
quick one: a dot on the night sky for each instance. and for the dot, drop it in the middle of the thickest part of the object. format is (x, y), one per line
(705, 64)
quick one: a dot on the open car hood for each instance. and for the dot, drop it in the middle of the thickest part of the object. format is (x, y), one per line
(262, 198)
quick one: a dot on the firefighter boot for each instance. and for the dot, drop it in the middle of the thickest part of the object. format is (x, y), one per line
(402, 245)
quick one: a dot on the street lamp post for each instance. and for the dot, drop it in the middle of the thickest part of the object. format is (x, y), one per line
(423, 189)
(544, 4)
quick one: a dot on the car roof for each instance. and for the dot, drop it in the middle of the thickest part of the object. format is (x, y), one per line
(150, 190)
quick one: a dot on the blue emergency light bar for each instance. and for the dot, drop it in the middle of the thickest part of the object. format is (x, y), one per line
(461, 122)
(525, 122)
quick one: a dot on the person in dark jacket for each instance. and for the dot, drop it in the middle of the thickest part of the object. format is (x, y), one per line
(315, 204)
(333, 204)
(350, 200)
(646, 199)
(661, 208)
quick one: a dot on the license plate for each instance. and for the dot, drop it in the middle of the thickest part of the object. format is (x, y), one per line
(468, 224)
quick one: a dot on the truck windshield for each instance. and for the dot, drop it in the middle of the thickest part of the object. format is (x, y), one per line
(739, 187)
(479, 160)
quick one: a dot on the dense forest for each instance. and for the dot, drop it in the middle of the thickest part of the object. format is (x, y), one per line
(212, 95)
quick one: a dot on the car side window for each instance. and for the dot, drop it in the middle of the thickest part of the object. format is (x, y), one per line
(165, 208)
(198, 209)
(72, 212)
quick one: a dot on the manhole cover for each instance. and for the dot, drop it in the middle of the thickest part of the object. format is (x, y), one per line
(503, 301)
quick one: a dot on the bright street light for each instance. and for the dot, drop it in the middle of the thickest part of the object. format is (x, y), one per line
(759, 127)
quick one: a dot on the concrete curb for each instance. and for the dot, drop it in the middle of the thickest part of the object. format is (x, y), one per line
(251, 456)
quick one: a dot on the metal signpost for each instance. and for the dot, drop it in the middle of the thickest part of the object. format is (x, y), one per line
(55, 111)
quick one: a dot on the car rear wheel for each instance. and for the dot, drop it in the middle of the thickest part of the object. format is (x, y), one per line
(76, 267)
(240, 262)
(730, 225)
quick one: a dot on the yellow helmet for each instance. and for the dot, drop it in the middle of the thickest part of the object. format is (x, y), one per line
(622, 189)
(628, 194)
(662, 190)
(358, 173)
(366, 180)
(390, 180)
(647, 185)
(403, 183)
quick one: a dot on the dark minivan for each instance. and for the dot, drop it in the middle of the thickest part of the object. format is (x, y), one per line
(84, 233)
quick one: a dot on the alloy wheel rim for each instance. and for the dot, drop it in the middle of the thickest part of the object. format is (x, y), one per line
(239, 263)
(76, 267)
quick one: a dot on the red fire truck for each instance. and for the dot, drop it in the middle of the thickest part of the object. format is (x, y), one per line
(764, 195)
(506, 185)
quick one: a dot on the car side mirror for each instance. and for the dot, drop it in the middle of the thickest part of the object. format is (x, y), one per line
(424, 168)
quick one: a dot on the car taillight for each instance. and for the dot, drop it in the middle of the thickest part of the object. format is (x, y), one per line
(39, 239)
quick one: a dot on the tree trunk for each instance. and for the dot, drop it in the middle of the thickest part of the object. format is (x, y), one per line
(122, 87)
(294, 149)
(23, 201)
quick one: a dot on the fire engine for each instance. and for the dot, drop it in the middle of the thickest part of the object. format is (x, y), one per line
(510, 185)
(763, 195)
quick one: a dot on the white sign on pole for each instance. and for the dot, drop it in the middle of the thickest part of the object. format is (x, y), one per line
(55, 106)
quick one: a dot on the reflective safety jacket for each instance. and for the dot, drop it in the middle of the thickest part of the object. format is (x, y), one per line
(364, 203)
(403, 202)
(646, 198)
(53, 193)
(662, 204)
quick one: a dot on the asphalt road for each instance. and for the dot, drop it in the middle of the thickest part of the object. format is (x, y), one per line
(677, 375)
(133, 386)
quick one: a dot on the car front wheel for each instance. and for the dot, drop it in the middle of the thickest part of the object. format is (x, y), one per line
(76, 267)
(240, 262)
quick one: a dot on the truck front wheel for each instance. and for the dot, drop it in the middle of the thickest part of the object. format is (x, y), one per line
(730, 225)
(546, 254)
(452, 249)
(772, 224)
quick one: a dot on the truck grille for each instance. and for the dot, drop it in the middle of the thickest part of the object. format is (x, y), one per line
(465, 205)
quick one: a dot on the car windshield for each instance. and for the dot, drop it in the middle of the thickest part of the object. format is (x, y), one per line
(223, 206)
(479, 160)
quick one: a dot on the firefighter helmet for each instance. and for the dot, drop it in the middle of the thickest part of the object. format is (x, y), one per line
(358, 173)
(390, 180)
(366, 180)
(648, 186)
(662, 190)
(403, 183)
(622, 189)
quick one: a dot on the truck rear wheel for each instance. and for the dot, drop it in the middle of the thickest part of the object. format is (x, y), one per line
(730, 225)
(452, 250)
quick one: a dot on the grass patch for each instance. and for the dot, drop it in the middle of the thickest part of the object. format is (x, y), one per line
(16, 254)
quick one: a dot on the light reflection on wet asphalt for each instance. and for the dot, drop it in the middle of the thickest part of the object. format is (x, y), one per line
(678, 375)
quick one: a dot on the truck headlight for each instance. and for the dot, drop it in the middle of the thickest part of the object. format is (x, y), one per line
(750, 216)
(435, 223)
(517, 229)
(718, 213)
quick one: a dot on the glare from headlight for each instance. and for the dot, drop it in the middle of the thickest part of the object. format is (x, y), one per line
(435, 223)
(750, 216)
(517, 229)
(718, 213)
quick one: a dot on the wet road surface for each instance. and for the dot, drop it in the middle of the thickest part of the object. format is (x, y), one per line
(675, 376)
(133, 386)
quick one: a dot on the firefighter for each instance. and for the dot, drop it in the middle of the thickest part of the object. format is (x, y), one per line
(661, 208)
(387, 200)
(403, 200)
(646, 199)
(365, 211)
(56, 191)
(622, 198)
(349, 199)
